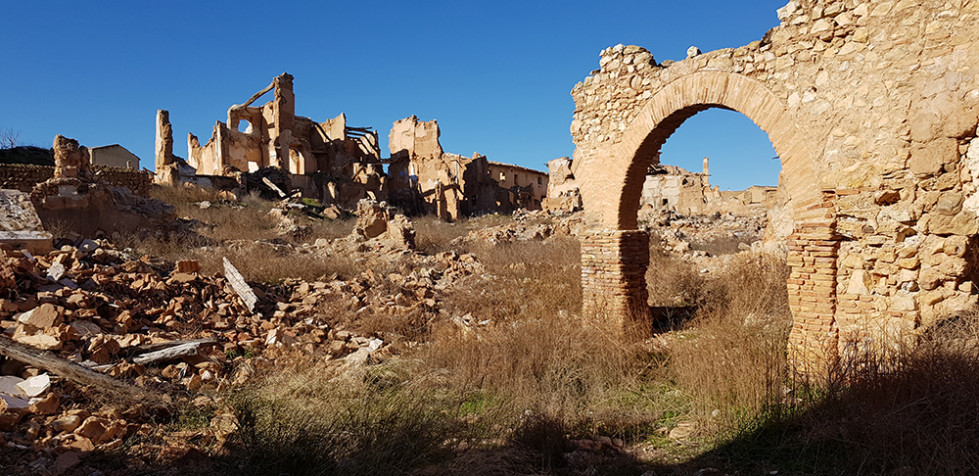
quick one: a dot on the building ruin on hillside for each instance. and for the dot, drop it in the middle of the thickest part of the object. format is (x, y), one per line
(425, 177)
(341, 165)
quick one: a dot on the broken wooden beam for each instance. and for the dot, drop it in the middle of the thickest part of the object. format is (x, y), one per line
(77, 374)
(175, 351)
(237, 281)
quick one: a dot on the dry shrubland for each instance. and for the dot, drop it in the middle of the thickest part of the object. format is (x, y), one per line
(514, 389)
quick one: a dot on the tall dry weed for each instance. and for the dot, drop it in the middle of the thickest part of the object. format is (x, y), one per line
(733, 362)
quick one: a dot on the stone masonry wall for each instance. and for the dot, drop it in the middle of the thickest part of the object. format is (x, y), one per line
(25, 177)
(872, 106)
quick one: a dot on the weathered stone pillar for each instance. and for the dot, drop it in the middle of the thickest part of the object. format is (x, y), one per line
(613, 276)
(283, 116)
(164, 162)
(70, 159)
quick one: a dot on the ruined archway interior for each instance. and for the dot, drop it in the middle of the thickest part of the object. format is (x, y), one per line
(697, 220)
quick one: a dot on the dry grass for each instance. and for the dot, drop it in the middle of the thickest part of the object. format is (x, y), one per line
(246, 234)
(528, 279)
(673, 281)
(733, 362)
(505, 394)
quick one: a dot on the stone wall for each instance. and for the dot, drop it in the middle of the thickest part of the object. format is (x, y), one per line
(425, 179)
(872, 108)
(26, 177)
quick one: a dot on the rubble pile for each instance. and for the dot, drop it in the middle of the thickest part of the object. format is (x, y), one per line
(692, 234)
(170, 330)
(526, 226)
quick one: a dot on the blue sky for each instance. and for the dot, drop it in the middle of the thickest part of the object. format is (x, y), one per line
(497, 75)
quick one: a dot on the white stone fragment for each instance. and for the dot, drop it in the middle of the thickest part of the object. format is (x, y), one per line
(36, 385)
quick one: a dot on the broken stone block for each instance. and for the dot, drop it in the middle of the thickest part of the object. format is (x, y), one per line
(13, 404)
(188, 266)
(67, 423)
(8, 386)
(43, 317)
(93, 428)
(400, 233)
(40, 341)
(46, 405)
(20, 226)
(35, 386)
(372, 218)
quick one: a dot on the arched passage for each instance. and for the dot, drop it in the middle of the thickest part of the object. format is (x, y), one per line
(615, 253)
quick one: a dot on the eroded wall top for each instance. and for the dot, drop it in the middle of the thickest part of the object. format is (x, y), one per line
(869, 83)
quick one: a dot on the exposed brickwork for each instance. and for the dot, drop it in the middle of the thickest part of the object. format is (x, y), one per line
(812, 254)
(613, 275)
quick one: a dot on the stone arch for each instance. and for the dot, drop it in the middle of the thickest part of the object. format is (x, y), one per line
(614, 196)
(615, 253)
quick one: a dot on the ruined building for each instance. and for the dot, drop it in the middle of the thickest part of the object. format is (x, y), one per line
(329, 160)
(425, 179)
(341, 165)
(527, 187)
(672, 188)
(872, 108)
(668, 188)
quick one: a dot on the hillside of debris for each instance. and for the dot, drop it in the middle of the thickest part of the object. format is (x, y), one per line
(263, 336)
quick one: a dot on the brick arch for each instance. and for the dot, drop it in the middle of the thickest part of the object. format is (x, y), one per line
(617, 176)
(615, 253)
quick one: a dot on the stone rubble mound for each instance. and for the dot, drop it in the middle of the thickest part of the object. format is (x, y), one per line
(171, 330)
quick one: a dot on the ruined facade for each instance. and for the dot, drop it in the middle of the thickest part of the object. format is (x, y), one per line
(342, 165)
(872, 108)
(674, 189)
(527, 187)
(272, 135)
(328, 160)
(425, 179)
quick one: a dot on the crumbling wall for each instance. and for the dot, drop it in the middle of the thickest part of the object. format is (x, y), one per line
(271, 135)
(872, 108)
(425, 179)
(563, 195)
(25, 177)
(526, 188)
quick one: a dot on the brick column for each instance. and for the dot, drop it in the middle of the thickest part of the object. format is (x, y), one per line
(813, 252)
(613, 276)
